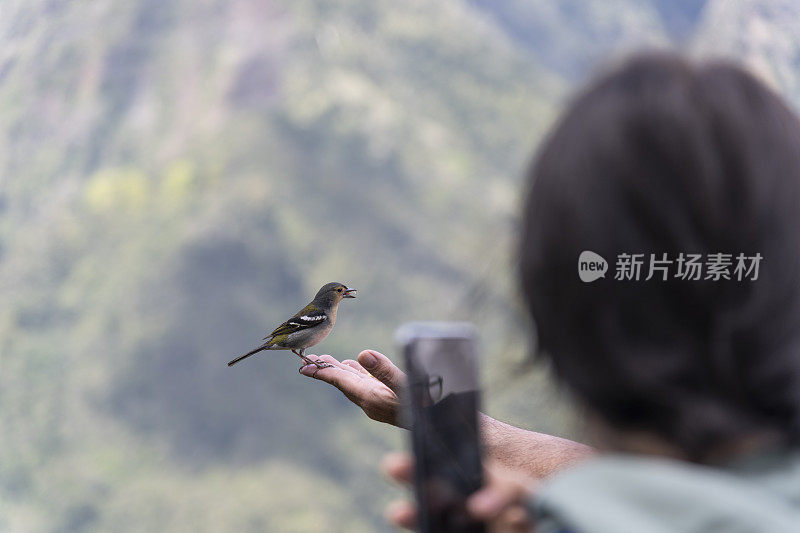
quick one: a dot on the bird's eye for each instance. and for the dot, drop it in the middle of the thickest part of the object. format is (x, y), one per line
(339, 289)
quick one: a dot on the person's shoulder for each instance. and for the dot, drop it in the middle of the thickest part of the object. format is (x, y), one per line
(645, 494)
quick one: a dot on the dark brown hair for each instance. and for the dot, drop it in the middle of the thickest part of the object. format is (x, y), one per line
(666, 156)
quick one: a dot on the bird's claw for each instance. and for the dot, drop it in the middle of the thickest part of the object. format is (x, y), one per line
(319, 364)
(319, 367)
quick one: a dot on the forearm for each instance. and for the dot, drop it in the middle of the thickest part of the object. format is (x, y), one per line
(537, 454)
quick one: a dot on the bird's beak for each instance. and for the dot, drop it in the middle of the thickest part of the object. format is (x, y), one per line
(348, 293)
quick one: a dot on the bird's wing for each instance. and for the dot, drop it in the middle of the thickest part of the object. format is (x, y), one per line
(307, 317)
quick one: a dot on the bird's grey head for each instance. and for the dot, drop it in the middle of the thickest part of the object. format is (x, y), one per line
(332, 293)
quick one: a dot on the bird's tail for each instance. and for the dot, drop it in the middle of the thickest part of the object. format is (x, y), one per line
(251, 352)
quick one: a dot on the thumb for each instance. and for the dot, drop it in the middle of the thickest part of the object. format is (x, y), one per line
(382, 368)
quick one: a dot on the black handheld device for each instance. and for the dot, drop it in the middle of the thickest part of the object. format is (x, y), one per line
(441, 408)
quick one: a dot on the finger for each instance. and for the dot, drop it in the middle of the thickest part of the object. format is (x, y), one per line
(324, 359)
(349, 368)
(332, 361)
(344, 380)
(487, 503)
(402, 514)
(492, 500)
(382, 368)
(356, 366)
(309, 370)
(515, 518)
(398, 466)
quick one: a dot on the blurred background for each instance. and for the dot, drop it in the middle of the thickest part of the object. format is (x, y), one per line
(177, 177)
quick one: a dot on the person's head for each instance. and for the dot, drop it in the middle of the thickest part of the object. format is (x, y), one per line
(666, 156)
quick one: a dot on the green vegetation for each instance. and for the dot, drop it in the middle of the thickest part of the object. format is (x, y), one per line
(176, 177)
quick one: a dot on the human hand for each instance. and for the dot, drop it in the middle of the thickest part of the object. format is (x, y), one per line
(372, 383)
(500, 503)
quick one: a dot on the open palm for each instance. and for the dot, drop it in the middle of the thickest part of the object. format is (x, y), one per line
(373, 382)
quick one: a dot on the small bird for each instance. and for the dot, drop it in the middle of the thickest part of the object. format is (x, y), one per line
(308, 327)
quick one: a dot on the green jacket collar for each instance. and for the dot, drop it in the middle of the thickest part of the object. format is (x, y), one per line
(618, 494)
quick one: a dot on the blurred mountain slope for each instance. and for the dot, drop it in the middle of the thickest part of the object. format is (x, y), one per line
(572, 36)
(765, 35)
(177, 178)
